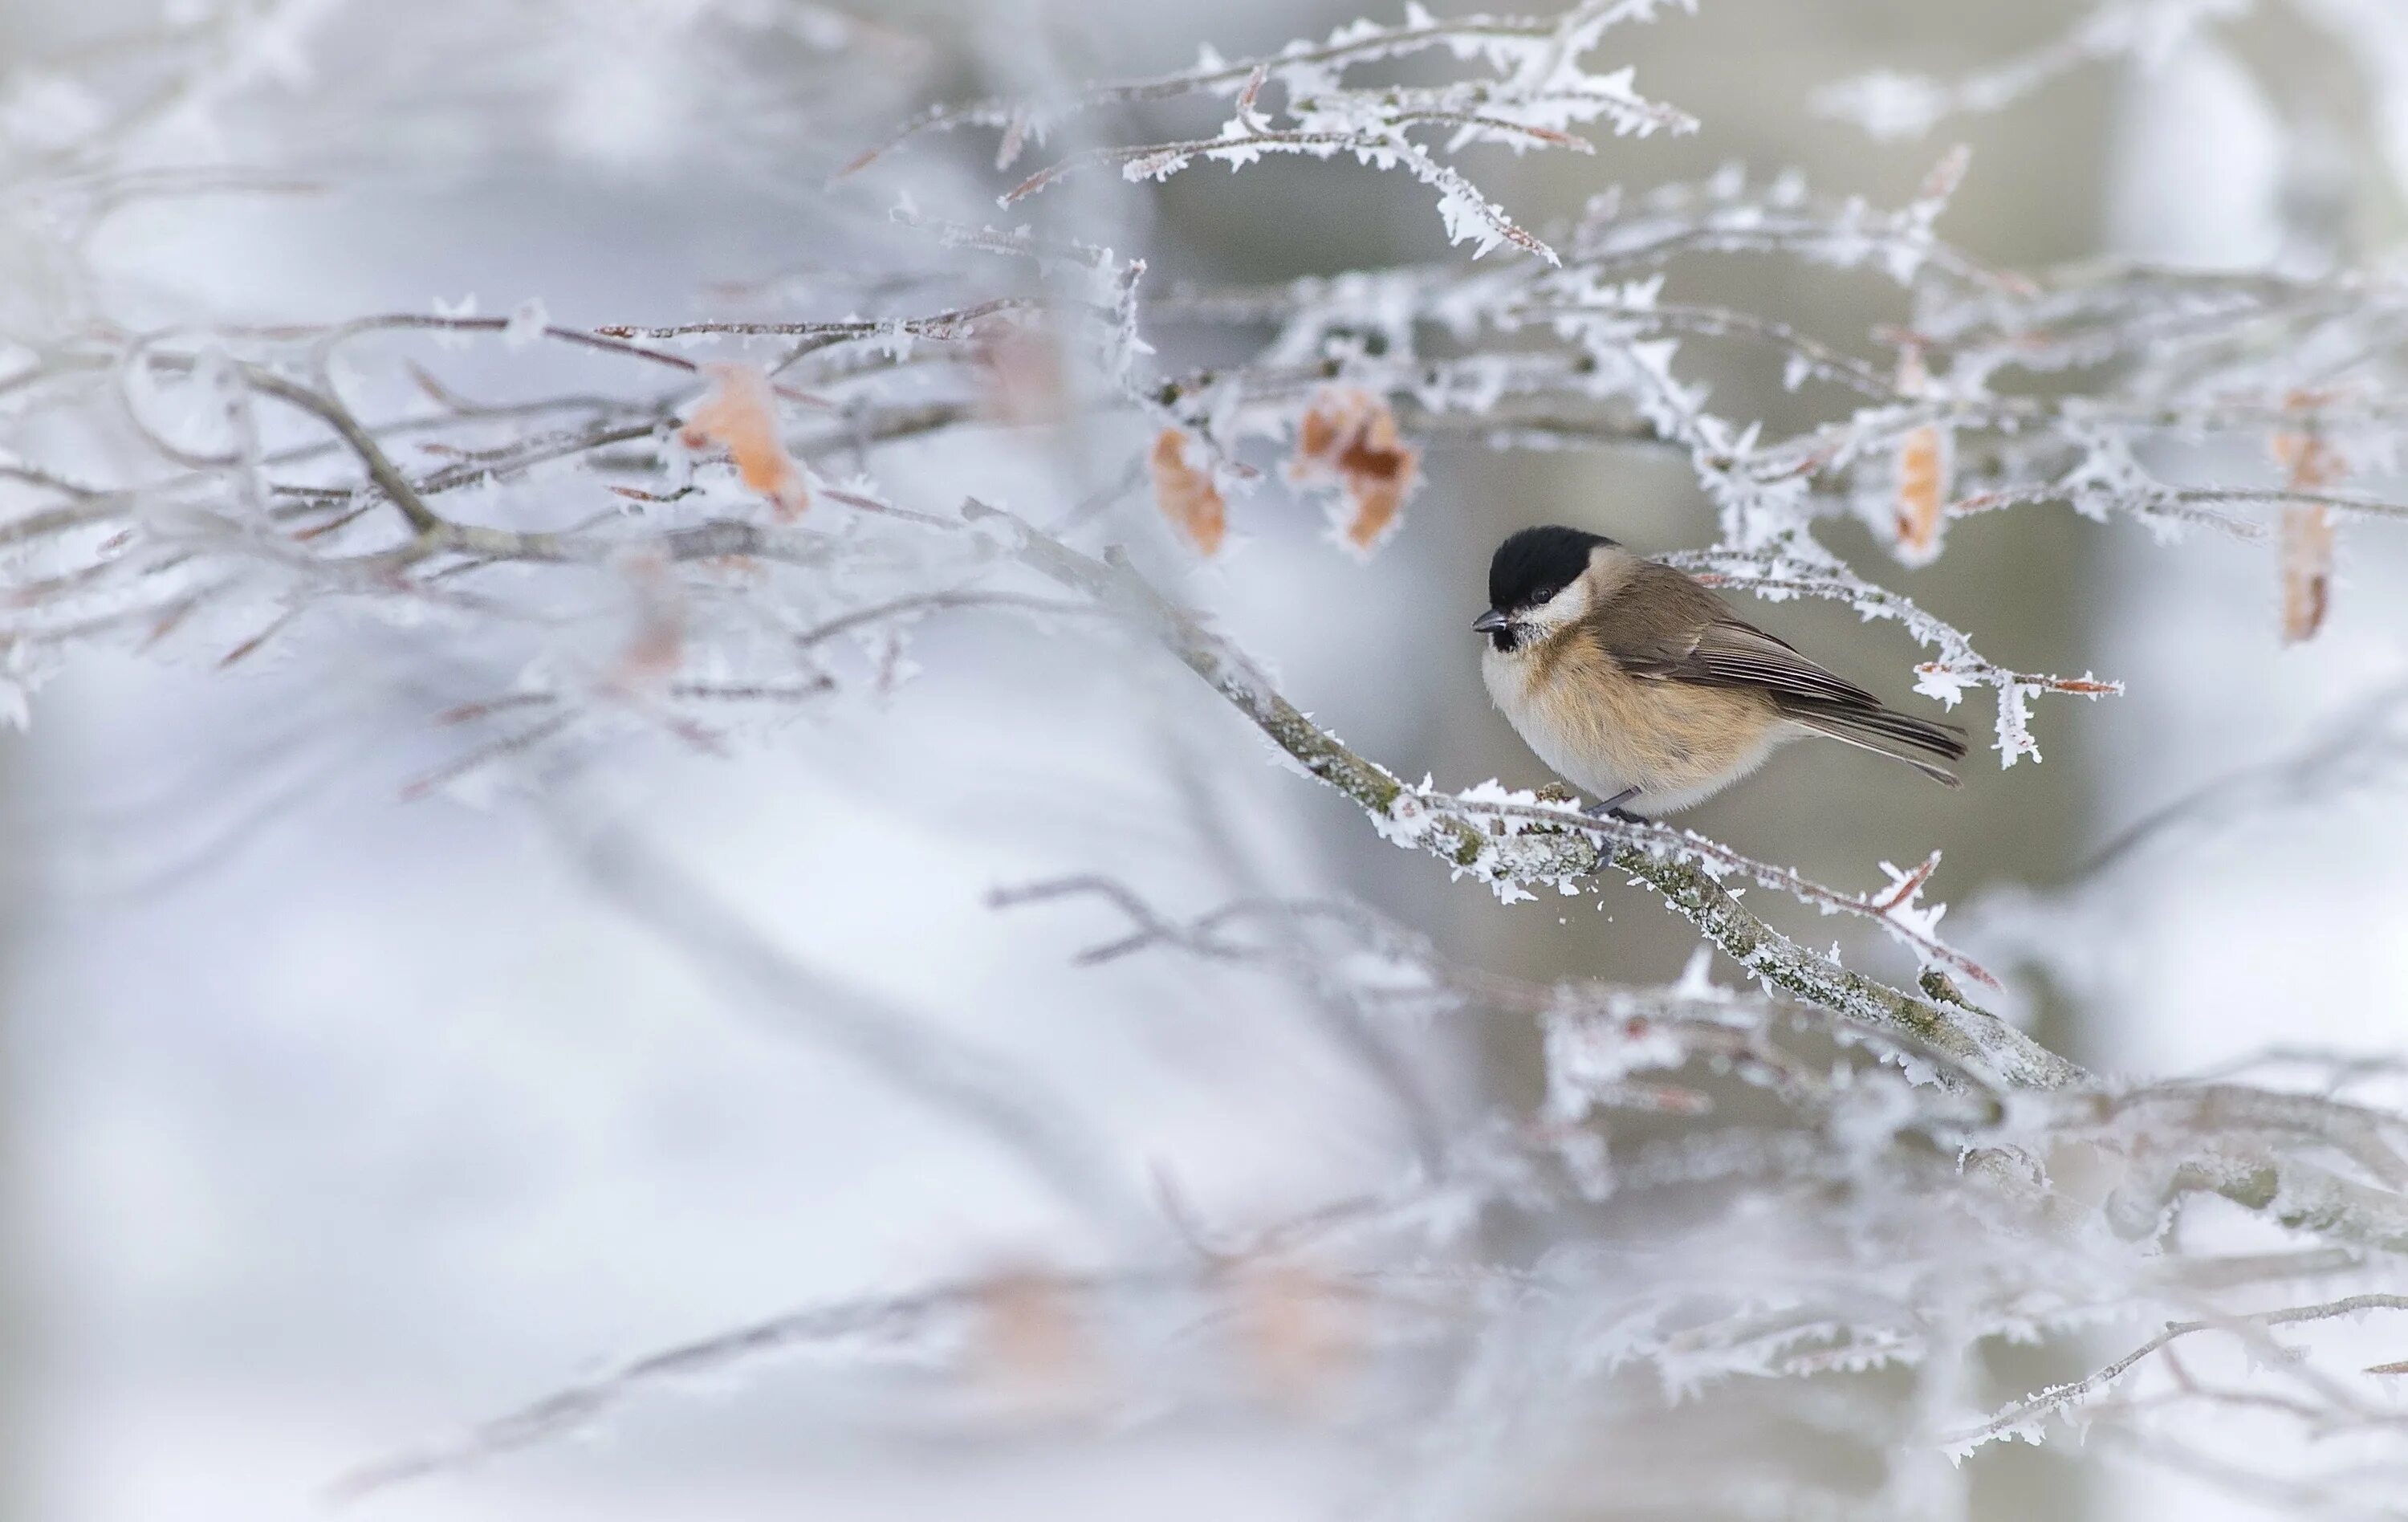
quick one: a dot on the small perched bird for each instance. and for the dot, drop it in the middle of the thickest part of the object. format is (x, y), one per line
(1636, 683)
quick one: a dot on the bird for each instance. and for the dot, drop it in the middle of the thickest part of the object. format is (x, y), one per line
(1638, 685)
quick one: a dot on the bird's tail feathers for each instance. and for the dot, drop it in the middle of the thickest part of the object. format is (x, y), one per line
(1885, 732)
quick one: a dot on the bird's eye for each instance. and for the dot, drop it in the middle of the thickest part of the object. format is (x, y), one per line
(1544, 593)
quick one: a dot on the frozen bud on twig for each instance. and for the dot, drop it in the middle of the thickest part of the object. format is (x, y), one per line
(1187, 495)
(1348, 439)
(739, 414)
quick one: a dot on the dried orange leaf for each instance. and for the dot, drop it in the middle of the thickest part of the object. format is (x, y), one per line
(655, 646)
(1923, 471)
(1348, 439)
(739, 414)
(1025, 384)
(2307, 545)
(2309, 462)
(1032, 1346)
(2307, 570)
(1290, 1322)
(1187, 495)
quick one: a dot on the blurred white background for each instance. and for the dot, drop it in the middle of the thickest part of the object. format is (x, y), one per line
(335, 1119)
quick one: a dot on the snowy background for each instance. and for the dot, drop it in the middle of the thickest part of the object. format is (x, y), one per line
(334, 1119)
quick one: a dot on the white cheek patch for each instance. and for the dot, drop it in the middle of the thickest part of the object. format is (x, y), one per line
(1561, 609)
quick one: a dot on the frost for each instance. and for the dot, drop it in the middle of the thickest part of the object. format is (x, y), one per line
(526, 323)
(41, 113)
(1933, 679)
(1535, 89)
(1892, 106)
(1846, 1159)
(451, 312)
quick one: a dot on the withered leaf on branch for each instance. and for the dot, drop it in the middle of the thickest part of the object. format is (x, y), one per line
(1348, 439)
(1024, 385)
(740, 414)
(1293, 1327)
(1186, 495)
(1032, 1344)
(656, 648)
(2307, 570)
(2311, 464)
(1924, 467)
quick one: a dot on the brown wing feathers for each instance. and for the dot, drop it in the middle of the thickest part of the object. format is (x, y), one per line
(1667, 627)
(1730, 652)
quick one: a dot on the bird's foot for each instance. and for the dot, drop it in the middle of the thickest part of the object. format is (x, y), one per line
(1613, 808)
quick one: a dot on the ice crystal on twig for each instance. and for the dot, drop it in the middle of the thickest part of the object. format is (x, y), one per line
(1535, 90)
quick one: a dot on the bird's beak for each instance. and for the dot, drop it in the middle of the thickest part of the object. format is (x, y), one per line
(1489, 622)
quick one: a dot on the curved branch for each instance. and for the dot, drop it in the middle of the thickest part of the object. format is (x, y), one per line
(1554, 846)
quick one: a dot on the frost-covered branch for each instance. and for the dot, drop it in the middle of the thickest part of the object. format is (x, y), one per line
(1516, 845)
(2022, 1418)
(1892, 105)
(1535, 90)
(1794, 571)
(1821, 1196)
(1662, 1278)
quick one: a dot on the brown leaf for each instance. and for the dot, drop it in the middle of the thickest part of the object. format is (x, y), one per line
(739, 414)
(2307, 570)
(1348, 439)
(1025, 384)
(655, 647)
(1187, 495)
(2311, 464)
(1032, 1346)
(1924, 467)
(1293, 1325)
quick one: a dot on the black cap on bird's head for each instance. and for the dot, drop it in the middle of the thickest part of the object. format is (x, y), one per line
(1527, 570)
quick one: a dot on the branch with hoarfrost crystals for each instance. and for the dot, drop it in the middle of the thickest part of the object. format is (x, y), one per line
(1389, 969)
(962, 324)
(381, 468)
(2020, 1419)
(895, 1322)
(2355, 1132)
(1535, 90)
(1719, 215)
(1806, 358)
(1469, 215)
(1542, 45)
(979, 1087)
(2158, 499)
(1599, 1035)
(1620, 236)
(1782, 572)
(2367, 749)
(1897, 106)
(2027, 1270)
(2364, 751)
(1510, 843)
